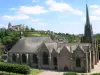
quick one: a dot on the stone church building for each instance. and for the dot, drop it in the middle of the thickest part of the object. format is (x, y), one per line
(44, 53)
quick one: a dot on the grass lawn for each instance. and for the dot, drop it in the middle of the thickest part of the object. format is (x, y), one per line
(33, 72)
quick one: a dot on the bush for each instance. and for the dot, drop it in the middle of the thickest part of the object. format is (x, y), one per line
(70, 73)
(96, 74)
(15, 68)
(1, 60)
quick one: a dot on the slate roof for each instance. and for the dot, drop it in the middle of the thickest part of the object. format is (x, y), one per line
(32, 44)
(29, 44)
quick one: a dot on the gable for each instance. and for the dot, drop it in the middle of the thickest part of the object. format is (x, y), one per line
(79, 52)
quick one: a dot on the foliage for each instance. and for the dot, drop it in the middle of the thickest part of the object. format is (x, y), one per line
(70, 73)
(8, 37)
(15, 68)
(96, 74)
(1, 51)
(1, 60)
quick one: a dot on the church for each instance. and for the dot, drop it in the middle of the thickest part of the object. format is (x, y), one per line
(44, 53)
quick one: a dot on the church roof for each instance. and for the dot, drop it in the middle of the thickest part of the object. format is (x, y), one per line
(32, 44)
(29, 44)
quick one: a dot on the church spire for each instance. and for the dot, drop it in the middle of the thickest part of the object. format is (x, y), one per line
(88, 33)
(87, 16)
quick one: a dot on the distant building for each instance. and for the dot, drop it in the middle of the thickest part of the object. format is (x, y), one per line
(16, 27)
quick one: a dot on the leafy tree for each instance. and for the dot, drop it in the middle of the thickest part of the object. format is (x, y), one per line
(27, 28)
(32, 29)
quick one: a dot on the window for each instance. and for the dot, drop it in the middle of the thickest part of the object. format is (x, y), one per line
(78, 62)
(24, 58)
(14, 58)
(45, 58)
(35, 59)
(54, 60)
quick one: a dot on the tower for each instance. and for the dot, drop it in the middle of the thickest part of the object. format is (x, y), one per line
(88, 32)
(9, 25)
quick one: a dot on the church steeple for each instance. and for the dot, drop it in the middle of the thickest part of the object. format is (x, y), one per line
(87, 16)
(88, 33)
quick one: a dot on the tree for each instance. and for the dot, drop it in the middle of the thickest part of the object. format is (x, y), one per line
(32, 29)
(27, 28)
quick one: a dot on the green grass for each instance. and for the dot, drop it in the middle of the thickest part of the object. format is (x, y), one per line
(33, 72)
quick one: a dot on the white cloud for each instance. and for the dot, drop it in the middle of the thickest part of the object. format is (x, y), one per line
(15, 17)
(94, 6)
(96, 12)
(35, 20)
(3, 26)
(95, 18)
(95, 9)
(39, 21)
(92, 18)
(42, 24)
(70, 23)
(35, 1)
(62, 7)
(12, 8)
(32, 9)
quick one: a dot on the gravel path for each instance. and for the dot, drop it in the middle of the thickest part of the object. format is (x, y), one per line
(51, 73)
(95, 70)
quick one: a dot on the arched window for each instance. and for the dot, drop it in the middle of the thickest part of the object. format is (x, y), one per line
(78, 62)
(45, 58)
(24, 58)
(35, 59)
(54, 60)
(14, 58)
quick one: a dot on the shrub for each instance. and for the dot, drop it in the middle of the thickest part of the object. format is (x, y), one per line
(15, 68)
(70, 73)
(1, 60)
(96, 74)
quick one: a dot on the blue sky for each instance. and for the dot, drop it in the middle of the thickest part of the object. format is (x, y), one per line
(67, 16)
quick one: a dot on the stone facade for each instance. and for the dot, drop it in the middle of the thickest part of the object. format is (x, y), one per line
(71, 57)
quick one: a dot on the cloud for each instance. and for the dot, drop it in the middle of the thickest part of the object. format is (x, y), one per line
(92, 18)
(94, 6)
(61, 7)
(95, 18)
(35, 20)
(15, 17)
(96, 12)
(31, 9)
(70, 23)
(95, 9)
(39, 21)
(42, 24)
(3, 26)
(35, 1)
(12, 8)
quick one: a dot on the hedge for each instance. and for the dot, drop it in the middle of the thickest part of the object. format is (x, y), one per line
(96, 74)
(70, 73)
(1, 60)
(15, 68)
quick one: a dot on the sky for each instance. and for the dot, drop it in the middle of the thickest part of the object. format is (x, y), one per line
(65, 16)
